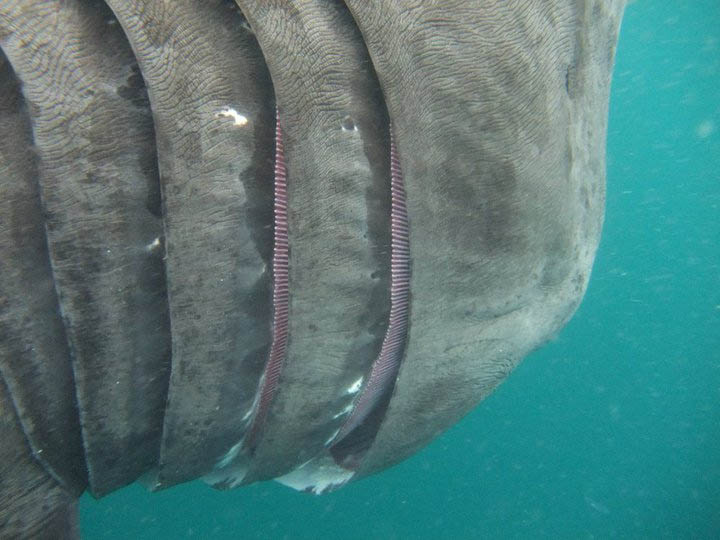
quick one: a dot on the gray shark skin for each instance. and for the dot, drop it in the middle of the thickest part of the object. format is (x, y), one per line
(280, 239)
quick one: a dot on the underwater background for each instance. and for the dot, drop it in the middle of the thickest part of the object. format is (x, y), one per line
(611, 430)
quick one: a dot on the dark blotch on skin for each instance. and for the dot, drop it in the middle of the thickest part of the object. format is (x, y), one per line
(135, 91)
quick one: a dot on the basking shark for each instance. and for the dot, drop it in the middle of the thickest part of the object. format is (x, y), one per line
(280, 239)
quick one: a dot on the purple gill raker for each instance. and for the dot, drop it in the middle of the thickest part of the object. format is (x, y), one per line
(280, 300)
(385, 368)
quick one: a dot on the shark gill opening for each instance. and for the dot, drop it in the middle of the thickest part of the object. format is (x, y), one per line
(280, 299)
(359, 429)
(358, 432)
(359, 415)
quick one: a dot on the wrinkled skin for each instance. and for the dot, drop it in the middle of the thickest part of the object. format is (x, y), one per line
(138, 218)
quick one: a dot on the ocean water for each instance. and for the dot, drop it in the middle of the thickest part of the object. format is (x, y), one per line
(613, 429)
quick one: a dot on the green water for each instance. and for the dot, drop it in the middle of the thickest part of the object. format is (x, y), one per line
(612, 430)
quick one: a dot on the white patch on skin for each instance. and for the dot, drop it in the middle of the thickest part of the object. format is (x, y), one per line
(227, 478)
(152, 246)
(354, 387)
(345, 411)
(332, 437)
(230, 470)
(229, 112)
(317, 476)
(256, 400)
(229, 456)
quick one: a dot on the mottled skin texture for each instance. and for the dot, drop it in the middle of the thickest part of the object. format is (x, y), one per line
(136, 227)
(339, 221)
(199, 62)
(34, 505)
(505, 219)
(33, 345)
(96, 177)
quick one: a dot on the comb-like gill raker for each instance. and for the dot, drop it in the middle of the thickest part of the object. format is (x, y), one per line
(385, 368)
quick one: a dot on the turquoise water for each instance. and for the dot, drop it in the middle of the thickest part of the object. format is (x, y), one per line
(613, 429)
